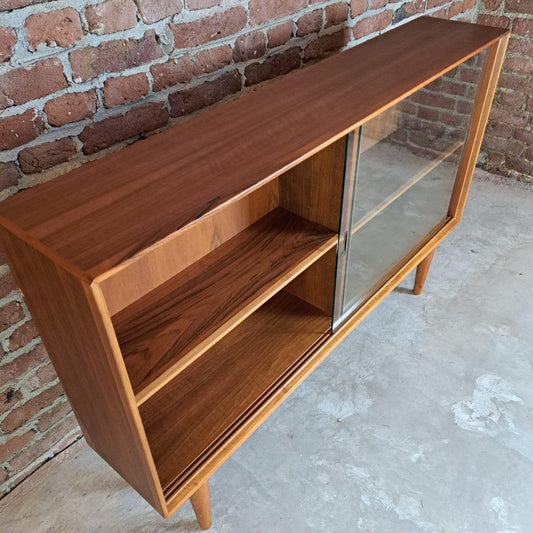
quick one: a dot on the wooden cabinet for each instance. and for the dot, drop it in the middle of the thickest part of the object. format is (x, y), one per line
(185, 285)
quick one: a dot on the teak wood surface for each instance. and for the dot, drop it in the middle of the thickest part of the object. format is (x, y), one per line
(227, 381)
(171, 326)
(105, 240)
(148, 191)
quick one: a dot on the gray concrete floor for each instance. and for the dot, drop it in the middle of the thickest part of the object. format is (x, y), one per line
(422, 420)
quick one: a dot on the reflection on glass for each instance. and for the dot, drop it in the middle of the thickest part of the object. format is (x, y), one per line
(405, 173)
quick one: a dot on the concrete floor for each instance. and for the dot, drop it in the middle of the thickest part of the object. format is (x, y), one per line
(422, 420)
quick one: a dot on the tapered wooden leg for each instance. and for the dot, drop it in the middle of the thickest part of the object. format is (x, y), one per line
(422, 273)
(202, 508)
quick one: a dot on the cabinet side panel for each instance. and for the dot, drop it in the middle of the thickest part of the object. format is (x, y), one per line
(74, 333)
(313, 189)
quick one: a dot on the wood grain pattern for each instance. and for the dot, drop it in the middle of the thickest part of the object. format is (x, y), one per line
(212, 461)
(132, 280)
(227, 381)
(73, 326)
(422, 273)
(316, 284)
(201, 505)
(313, 189)
(149, 190)
(170, 327)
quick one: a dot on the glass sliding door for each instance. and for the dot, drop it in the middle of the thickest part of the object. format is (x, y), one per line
(400, 175)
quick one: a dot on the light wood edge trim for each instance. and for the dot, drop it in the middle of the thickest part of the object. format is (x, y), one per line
(64, 263)
(100, 271)
(158, 383)
(205, 470)
(100, 312)
(478, 123)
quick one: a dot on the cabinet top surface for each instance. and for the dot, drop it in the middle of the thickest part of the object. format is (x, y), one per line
(105, 212)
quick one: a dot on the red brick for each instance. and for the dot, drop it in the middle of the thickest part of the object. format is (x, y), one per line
(56, 28)
(454, 88)
(470, 75)
(492, 5)
(358, 7)
(113, 56)
(511, 98)
(372, 24)
(519, 164)
(197, 32)
(523, 27)
(211, 60)
(326, 44)
(9, 176)
(111, 16)
(21, 414)
(436, 3)
(525, 7)
(273, 66)
(280, 34)
(172, 72)
(22, 336)
(42, 448)
(154, 10)
(48, 419)
(202, 4)
(10, 314)
(46, 374)
(310, 23)
(520, 46)
(526, 136)
(455, 9)
(137, 121)
(21, 364)
(377, 4)
(9, 398)
(249, 46)
(509, 116)
(497, 21)
(7, 282)
(336, 14)
(512, 81)
(408, 9)
(498, 130)
(265, 10)
(47, 155)
(23, 84)
(506, 146)
(208, 93)
(7, 42)
(520, 65)
(428, 113)
(15, 444)
(495, 160)
(125, 89)
(450, 118)
(70, 107)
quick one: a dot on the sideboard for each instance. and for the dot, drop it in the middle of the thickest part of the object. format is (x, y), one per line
(185, 285)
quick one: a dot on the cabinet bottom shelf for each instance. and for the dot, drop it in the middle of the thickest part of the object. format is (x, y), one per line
(196, 412)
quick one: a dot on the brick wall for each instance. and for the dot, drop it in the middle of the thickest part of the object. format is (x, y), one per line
(79, 79)
(508, 145)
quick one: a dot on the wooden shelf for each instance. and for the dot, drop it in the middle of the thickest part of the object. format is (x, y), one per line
(171, 326)
(228, 382)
